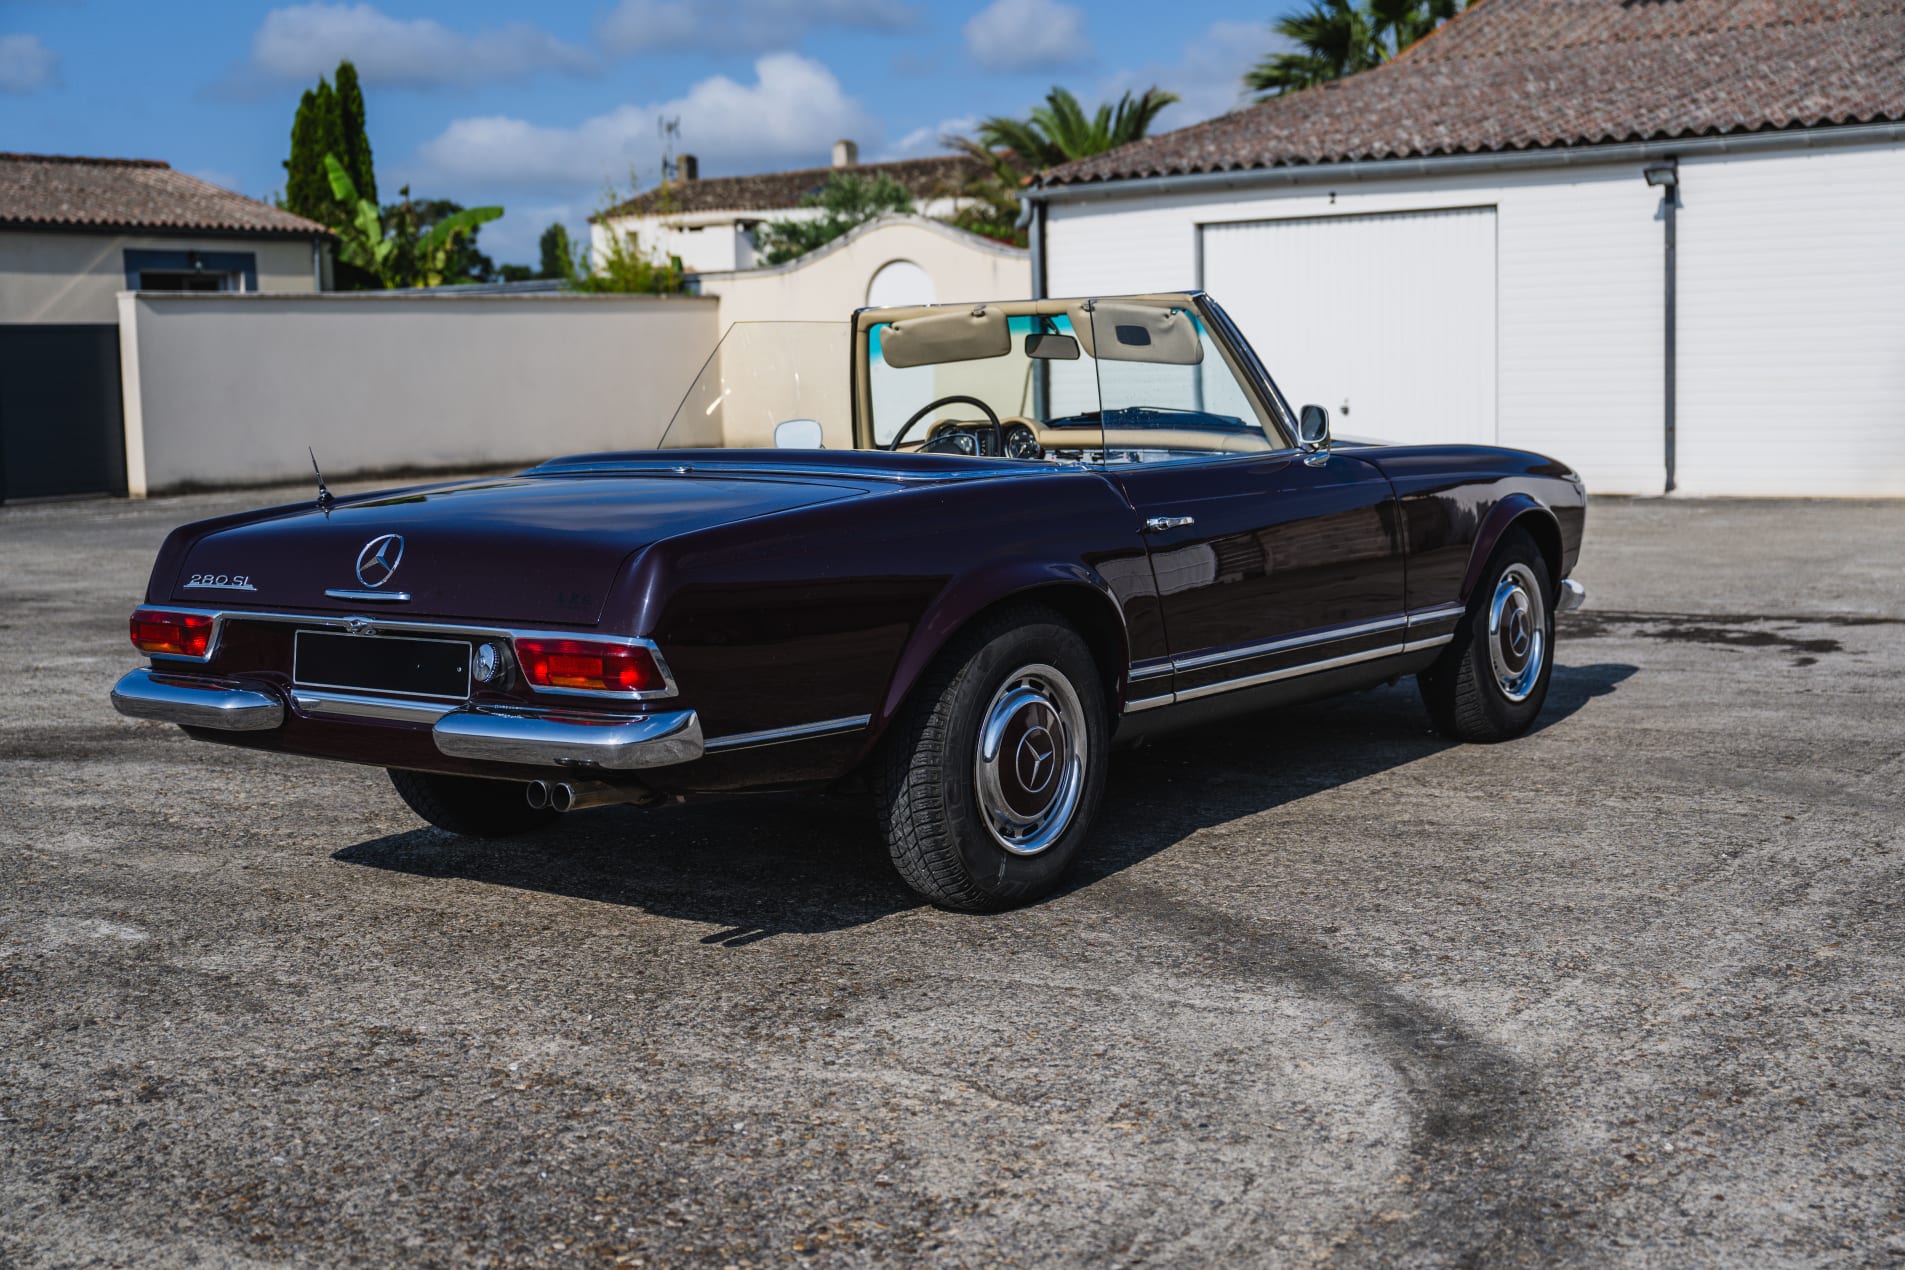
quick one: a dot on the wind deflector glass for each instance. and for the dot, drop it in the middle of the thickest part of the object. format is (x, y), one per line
(763, 374)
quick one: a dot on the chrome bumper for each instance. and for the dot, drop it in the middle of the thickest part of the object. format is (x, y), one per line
(1573, 596)
(650, 740)
(528, 737)
(196, 702)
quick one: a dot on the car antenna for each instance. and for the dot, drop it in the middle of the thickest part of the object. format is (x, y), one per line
(325, 500)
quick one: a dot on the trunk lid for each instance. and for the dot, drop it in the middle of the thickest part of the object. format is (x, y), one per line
(522, 550)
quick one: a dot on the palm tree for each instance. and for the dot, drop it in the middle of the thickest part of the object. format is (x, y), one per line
(1060, 131)
(1014, 150)
(1335, 38)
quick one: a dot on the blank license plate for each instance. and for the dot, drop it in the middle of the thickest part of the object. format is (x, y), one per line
(382, 663)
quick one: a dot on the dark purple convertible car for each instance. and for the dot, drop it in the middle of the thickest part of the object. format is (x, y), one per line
(948, 554)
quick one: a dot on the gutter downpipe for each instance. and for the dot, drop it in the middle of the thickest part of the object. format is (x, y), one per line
(1032, 220)
(1670, 205)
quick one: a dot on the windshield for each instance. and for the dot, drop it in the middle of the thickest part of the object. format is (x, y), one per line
(1129, 380)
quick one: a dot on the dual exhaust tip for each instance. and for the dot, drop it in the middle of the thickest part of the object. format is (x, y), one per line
(565, 796)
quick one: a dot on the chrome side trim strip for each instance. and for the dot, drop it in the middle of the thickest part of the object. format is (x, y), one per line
(350, 705)
(1151, 671)
(1292, 672)
(1148, 703)
(798, 732)
(1434, 641)
(1328, 636)
(381, 597)
(553, 740)
(1440, 613)
(228, 705)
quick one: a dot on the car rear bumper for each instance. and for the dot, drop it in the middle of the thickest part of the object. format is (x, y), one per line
(519, 737)
(1573, 596)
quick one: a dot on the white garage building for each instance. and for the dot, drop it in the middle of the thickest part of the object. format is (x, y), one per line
(1472, 244)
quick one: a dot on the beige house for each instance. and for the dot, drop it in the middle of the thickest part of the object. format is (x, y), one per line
(710, 224)
(75, 232)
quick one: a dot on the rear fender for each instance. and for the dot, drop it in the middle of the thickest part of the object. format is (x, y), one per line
(1513, 510)
(970, 595)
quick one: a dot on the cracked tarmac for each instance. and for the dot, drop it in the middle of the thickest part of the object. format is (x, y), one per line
(1326, 989)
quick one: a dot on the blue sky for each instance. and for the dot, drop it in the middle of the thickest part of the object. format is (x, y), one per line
(538, 107)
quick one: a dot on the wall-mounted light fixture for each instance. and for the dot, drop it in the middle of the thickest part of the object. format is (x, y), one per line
(1665, 174)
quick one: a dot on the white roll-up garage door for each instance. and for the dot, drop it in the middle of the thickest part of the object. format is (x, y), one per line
(1388, 320)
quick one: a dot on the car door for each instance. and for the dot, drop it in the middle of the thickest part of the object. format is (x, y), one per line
(1269, 560)
(1267, 564)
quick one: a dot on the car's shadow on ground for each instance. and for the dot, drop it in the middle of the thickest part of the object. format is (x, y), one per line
(762, 865)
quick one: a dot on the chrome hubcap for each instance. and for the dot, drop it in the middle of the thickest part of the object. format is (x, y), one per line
(1030, 767)
(1517, 632)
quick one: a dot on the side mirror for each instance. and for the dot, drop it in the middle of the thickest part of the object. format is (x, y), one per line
(798, 434)
(1313, 428)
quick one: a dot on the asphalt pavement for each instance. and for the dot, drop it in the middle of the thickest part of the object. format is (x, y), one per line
(1327, 989)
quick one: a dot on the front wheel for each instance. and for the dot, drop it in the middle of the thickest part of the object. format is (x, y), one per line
(987, 786)
(469, 805)
(1491, 681)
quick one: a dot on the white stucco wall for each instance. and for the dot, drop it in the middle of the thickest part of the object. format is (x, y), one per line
(62, 277)
(230, 389)
(1791, 291)
(829, 284)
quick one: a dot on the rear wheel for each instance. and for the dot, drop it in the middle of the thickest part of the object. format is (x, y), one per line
(987, 785)
(1490, 682)
(469, 805)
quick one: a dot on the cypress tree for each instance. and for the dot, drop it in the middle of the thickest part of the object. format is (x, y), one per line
(307, 191)
(354, 140)
(558, 259)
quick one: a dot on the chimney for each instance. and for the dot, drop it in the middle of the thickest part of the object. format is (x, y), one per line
(687, 168)
(846, 153)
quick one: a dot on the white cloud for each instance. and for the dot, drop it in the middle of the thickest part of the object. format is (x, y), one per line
(635, 26)
(1207, 75)
(791, 113)
(26, 65)
(930, 139)
(307, 40)
(1027, 35)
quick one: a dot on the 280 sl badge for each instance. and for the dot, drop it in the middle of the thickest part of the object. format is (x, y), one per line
(220, 582)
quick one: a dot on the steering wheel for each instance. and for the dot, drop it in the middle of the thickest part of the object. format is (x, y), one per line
(998, 432)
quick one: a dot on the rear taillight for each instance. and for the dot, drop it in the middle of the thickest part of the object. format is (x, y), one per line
(163, 633)
(586, 665)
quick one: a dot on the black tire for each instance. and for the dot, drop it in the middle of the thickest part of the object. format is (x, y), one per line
(937, 810)
(1478, 690)
(469, 805)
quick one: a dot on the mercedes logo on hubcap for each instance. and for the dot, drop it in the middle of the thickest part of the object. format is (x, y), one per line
(1033, 759)
(379, 559)
(1518, 632)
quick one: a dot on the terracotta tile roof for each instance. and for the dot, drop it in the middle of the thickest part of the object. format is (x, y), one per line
(776, 191)
(49, 191)
(1520, 74)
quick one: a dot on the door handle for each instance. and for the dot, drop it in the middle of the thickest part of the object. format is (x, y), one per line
(1158, 524)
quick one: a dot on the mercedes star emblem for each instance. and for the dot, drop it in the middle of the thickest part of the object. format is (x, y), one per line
(379, 559)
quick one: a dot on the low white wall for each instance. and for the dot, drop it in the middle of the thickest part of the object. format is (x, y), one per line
(230, 389)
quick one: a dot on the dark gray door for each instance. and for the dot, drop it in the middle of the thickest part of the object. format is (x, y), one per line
(61, 431)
